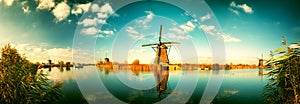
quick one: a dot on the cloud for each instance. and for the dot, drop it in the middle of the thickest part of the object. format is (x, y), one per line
(8, 2)
(189, 26)
(95, 8)
(206, 17)
(178, 37)
(177, 30)
(46, 4)
(42, 53)
(144, 22)
(81, 8)
(208, 29)
(180, 32)
(232, 4)
(89, 22)
(107, 32)
(26, 9)
(99, 36)
(228, 38)
(244, 7)
(106, 8)
(90, 31)
(102, 15)
(133, 33)
(234, 11)
(211, 30)
(61, 11)
(131, 30)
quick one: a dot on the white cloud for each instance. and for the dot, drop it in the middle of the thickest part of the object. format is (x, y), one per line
(40, 53)
(26, 9)
(90, 31)
(234, 11)
(228, 38)
(81, 8)
(180, 32)
(177, 30)
(101, 21)
(144, 22)
(107, 32)
(189, 26)
(102, 15)
(46, 4)
(106, 8)
(89, 22)
(95, 8)
(131, 30)
(8, 2)
(209, 29)
(244, 7)
(206, 17)
(23, 3)
(61, 11)
(99, 36)
(232, 4)
(178, 37)
(133, 33)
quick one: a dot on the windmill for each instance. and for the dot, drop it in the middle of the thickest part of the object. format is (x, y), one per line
(161, 60)
(161, 50)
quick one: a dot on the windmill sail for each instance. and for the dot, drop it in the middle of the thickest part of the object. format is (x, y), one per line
(170, 42)
(149, 44)
(161, 49)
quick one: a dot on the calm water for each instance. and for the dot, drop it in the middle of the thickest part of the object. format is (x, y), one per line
(94, 85)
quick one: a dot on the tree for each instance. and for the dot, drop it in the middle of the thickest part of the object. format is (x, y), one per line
(19, 82)
(136, 62)
(284, 82)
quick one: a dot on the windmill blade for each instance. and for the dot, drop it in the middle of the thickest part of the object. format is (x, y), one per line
(149, 44)
(160, 33)
(170, 43)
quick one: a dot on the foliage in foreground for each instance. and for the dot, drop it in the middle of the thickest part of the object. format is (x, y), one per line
(284, 79)
(20, 84)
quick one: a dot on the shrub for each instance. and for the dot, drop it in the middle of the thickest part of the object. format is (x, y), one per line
(284, 82)
(20, 84)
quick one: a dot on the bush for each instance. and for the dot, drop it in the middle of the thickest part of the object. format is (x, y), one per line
(284, 82)
(20, 84)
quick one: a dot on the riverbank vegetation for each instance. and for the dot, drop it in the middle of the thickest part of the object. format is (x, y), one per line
(284, 78)
(21, 84)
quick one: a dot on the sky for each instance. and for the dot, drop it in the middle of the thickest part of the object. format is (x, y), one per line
(92, 30)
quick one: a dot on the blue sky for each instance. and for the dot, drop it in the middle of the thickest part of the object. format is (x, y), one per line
(45, 29)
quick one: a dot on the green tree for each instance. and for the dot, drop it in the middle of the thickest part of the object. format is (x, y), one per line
(19, 82)
(284, 82)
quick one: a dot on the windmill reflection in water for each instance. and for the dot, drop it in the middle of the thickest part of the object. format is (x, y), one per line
(161, 63)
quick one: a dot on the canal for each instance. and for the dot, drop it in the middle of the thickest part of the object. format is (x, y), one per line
(98, 85)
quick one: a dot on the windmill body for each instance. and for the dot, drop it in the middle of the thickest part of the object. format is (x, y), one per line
(161, 61)
(161, 50)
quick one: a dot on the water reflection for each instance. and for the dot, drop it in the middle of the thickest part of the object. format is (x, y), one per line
(150, 86)
(161, 75)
